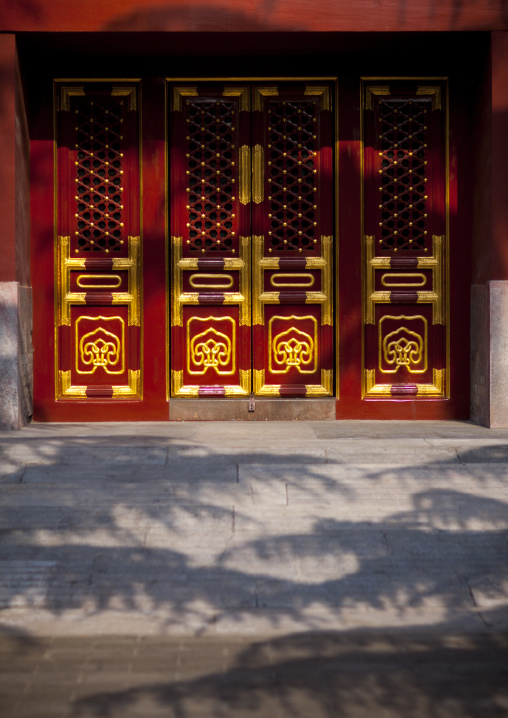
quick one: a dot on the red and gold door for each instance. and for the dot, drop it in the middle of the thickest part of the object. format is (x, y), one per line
(252, 235)
(98, 242)
(405, 241)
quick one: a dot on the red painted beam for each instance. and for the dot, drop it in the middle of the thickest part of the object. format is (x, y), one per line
(252, 15)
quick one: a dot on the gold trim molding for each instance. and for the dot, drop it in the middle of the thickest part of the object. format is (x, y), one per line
(63, 101)
(241, 92)
(375, 90)
(323, 92)
(130, 93)
(434, 92)
(181, 92)
(259, 93)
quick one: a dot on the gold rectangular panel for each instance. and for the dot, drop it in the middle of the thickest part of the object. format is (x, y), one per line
(244, 174)
(258, 174)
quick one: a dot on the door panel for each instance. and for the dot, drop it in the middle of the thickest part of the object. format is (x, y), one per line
(292, 242)
(210, 227)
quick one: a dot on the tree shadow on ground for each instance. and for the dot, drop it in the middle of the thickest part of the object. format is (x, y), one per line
(190, 536)
(323, 675)
(200, 537)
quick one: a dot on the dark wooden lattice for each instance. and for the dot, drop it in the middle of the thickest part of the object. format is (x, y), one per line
(293, 188)
(99, 185)
(403, 187)
(211, 175)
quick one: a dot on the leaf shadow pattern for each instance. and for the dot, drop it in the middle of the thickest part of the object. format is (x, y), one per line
(211, 538)
(184, 534)
(326, 675)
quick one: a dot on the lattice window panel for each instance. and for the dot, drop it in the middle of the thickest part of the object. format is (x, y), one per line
(292, 175)
(403, 187)
(99, 181)
(211, 175)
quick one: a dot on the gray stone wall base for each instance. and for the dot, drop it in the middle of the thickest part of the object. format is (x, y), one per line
(16, 355)
(489, 354)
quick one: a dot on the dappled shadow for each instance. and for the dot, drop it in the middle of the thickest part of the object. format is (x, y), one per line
(319, 674)
(197, 535)
(199, 539)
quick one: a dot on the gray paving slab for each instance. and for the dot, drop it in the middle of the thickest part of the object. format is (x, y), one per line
(347, 545)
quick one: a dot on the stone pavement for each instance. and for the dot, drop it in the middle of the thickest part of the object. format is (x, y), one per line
(242, 569)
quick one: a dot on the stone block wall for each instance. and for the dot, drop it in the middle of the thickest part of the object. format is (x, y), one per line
(16, 355)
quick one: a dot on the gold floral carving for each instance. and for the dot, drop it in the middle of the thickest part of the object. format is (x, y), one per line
(100, 348)
(211, 349)
(403, 347)
(292, 348)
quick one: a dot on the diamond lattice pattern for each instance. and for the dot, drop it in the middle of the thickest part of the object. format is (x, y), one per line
(403, 168)
(99, 175)
(211, 175)
(292, 175)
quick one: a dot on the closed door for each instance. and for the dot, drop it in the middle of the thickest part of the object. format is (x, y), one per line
(252, 239)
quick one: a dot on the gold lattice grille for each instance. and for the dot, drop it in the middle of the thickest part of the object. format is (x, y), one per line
(211, 175)
(98, 146)
(403, 188)
(291, 164)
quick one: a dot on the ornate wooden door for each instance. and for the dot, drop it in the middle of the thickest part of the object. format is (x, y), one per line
(251, 197)
(405, 247)
(98, 247)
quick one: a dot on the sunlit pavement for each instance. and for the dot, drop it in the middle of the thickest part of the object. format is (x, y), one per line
(239, 569)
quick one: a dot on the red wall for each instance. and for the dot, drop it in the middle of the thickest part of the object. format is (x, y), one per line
(252, 15)
(7, 157)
